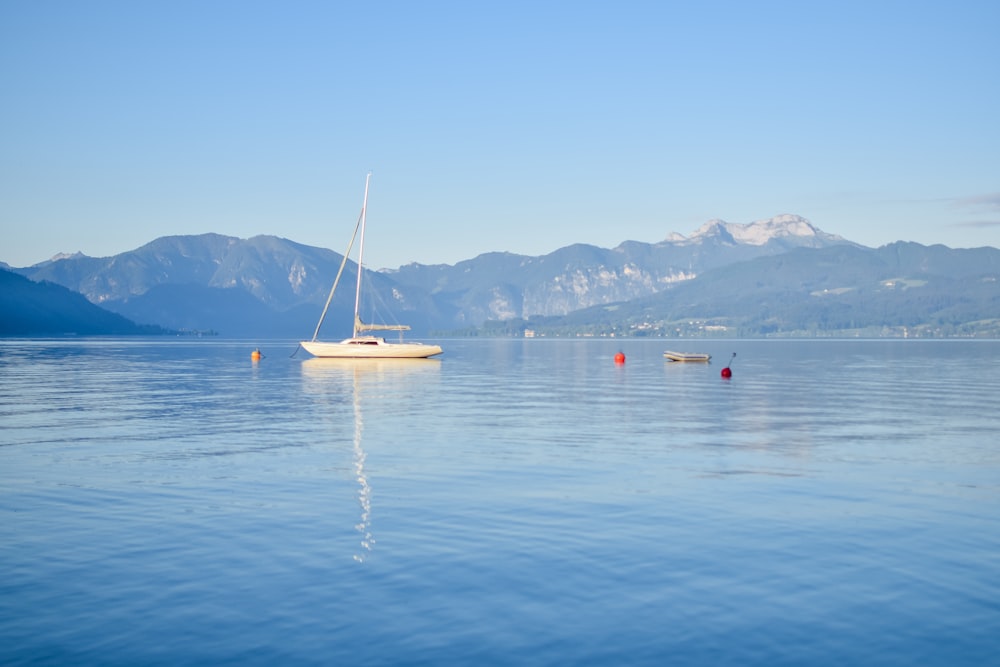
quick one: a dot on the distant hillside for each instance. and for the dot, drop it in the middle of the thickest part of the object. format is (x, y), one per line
(898, 289)
(28, 308)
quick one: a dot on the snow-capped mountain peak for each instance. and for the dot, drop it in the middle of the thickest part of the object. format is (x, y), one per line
(786, 227)
(66, 255)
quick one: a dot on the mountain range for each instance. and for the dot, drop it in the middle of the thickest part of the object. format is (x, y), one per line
(780, 276)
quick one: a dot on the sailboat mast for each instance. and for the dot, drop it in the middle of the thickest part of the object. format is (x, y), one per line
(361, 255)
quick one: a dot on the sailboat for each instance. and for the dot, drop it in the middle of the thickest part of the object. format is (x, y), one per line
(358, 345)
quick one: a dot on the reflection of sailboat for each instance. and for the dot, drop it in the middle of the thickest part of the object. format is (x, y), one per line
(365, 346)
(364, 526)
(333, 368)
(334, 376)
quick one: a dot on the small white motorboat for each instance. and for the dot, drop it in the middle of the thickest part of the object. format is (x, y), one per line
(686, 356)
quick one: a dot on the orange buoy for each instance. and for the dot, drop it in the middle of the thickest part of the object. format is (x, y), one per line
(256, 355)
(620, 358)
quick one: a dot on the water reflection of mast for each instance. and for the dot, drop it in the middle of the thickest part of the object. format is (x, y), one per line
(364, 490)
(329, 377)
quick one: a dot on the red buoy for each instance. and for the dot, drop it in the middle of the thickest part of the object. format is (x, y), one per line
(620, 358)
(726, 373)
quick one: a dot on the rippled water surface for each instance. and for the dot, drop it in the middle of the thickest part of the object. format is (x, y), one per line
(513, 502)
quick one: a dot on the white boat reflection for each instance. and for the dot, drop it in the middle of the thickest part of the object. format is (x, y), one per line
(318, 368)
(372, 381)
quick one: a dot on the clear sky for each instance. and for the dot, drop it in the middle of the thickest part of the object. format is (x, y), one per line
(507, 125)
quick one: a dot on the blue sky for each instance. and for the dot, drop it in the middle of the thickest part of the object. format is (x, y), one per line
(511, 126)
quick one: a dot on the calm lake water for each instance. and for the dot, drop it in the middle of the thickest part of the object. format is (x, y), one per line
(514, 502)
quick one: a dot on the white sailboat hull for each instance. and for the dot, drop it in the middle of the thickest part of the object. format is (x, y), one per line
(369, 347)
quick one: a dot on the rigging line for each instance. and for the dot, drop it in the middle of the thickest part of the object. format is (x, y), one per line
(376, 304)
(336, 280)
